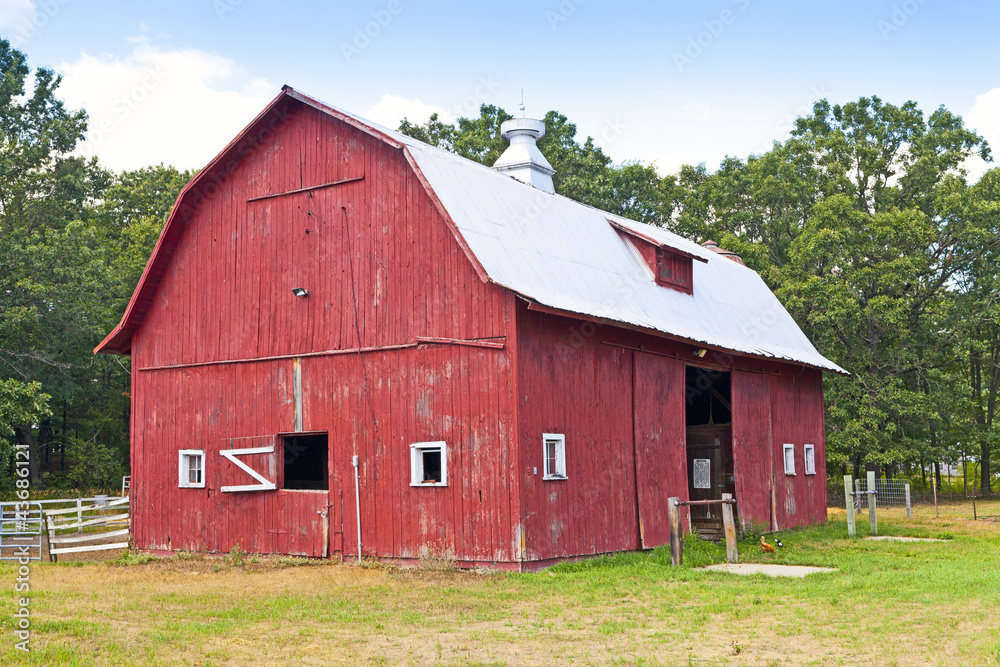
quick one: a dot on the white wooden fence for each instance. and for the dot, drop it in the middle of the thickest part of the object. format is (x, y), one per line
(21, 525)
(88, 527)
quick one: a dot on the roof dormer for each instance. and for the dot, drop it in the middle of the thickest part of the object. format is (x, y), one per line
(670, 266)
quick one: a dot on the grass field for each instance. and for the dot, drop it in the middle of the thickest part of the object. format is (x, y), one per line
(887, 604)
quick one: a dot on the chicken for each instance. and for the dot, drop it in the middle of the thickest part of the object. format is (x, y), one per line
(778, 543)
(765, 547)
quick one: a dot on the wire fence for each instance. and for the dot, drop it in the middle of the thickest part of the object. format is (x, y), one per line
(889, 493)
(900, 497)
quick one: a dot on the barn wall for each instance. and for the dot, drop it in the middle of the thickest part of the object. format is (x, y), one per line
(797, 419)
(619, 397)
(381, 265)
(373, 406)
(382, 268)
(572, 384)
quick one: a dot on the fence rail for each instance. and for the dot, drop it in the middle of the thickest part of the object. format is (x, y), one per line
(104, 520)
(21, 530)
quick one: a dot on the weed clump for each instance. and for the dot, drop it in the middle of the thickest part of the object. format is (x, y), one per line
(133, 558)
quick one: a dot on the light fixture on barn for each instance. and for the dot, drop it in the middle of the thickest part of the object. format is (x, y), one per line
(300, 291)
(700, 352)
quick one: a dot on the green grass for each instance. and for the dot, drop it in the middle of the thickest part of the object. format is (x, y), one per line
(886, 603)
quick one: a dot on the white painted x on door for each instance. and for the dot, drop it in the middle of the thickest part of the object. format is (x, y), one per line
(248, 464)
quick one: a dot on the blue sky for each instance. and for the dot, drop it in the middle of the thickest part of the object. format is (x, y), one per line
(663, 82)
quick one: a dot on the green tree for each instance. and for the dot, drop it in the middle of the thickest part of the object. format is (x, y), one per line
(847, 221)
(73, 242)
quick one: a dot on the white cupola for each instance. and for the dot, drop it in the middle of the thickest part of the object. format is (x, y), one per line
(522, 159)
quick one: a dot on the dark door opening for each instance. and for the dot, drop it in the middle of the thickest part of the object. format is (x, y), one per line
(305, 459)
(708, 416)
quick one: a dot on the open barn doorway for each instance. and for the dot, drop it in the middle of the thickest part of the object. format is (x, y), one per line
(708, 416)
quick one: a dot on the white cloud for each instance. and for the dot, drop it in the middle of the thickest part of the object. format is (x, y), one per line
(390, 109)
(984, 118)
(15, 15)
(179, 107)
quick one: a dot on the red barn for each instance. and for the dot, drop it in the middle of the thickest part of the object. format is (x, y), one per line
(514, 377)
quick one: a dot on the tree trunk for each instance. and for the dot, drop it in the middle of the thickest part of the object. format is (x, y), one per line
(984, 467)
(29, 439)
(965, 475)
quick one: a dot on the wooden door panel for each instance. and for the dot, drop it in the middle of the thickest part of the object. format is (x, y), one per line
(659, 441)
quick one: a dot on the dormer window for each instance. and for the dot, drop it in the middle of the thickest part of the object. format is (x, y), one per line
(673, 270)
(669, 266)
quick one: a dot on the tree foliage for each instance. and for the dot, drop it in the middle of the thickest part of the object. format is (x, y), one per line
(73, 240)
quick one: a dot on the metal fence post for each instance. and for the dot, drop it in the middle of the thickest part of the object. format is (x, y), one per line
(934, 485)
(909, 512)
(872, 520)
(849, 499)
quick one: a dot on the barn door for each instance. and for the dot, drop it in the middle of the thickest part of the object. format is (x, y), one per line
(752, 447)
(658, 401)
(249, 464)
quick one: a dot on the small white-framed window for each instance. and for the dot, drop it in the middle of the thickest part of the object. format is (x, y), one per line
(554, 453)
(809, 458)
(191, 469)
(429, 464)
(789, 459)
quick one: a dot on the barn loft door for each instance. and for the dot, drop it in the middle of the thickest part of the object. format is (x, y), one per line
(248, 464)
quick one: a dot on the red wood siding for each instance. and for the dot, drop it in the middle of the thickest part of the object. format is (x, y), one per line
(227, 291)
(751, 401)
(661, 453)
(382, 268)
(201, 408)
(797, 409)
(571, 384)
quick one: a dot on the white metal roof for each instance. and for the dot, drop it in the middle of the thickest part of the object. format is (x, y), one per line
(567, 256)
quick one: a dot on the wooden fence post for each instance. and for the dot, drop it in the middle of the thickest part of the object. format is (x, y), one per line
(774, 509)
(909, 511)
(676, 543)
(934, 485)
(848, 491)
(730, 529)
(79, 514)
(872, 519)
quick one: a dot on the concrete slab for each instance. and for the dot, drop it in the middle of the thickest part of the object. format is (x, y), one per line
(897, 538)
(768, 569)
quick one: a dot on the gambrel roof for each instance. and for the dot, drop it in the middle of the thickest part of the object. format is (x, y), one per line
(559, 255)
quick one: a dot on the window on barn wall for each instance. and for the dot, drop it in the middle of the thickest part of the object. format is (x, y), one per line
(191, 469)
(809, 454)
(554, 451)
(789, 459)
(305, 462)
(429, 464)
(673, 270)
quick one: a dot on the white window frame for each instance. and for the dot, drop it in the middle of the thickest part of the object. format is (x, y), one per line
(183, 468)
(789, 469)
(560, 440)
(809, 457)
(417, 450)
